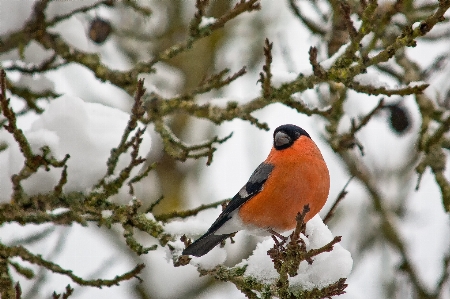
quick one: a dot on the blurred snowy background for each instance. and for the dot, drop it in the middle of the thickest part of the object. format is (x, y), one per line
(89, 118)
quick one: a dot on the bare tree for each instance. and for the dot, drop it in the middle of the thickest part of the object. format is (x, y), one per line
(357, 47)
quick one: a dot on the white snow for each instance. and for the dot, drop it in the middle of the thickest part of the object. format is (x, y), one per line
(417, 83)
(36, 83)
(327, 267)
(280, 77)
(425, 225)
(85, 131)
(191, 226)
(259, 264)
(106, 213)
(59, 211)
(328, 63)
(206, 21)
(215, 257)
(14, 16)
(371, 79)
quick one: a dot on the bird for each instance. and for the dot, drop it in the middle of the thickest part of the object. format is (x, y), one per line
(293, 175)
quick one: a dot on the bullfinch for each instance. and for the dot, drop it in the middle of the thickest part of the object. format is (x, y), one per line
(293, 175)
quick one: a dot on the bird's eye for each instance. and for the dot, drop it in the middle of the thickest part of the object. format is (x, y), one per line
(281, 139)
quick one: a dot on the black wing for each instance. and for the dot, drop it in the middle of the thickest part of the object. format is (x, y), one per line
(254, 186)
(205, 244)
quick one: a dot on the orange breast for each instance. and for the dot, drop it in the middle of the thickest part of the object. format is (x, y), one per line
(300, 177)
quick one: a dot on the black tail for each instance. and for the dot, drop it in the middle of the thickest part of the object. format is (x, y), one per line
(204, 245)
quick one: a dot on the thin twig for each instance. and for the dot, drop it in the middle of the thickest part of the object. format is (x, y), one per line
(189, 213)
(24, 254)
(339, 198)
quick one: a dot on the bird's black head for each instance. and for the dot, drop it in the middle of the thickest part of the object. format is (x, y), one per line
(284, 136)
